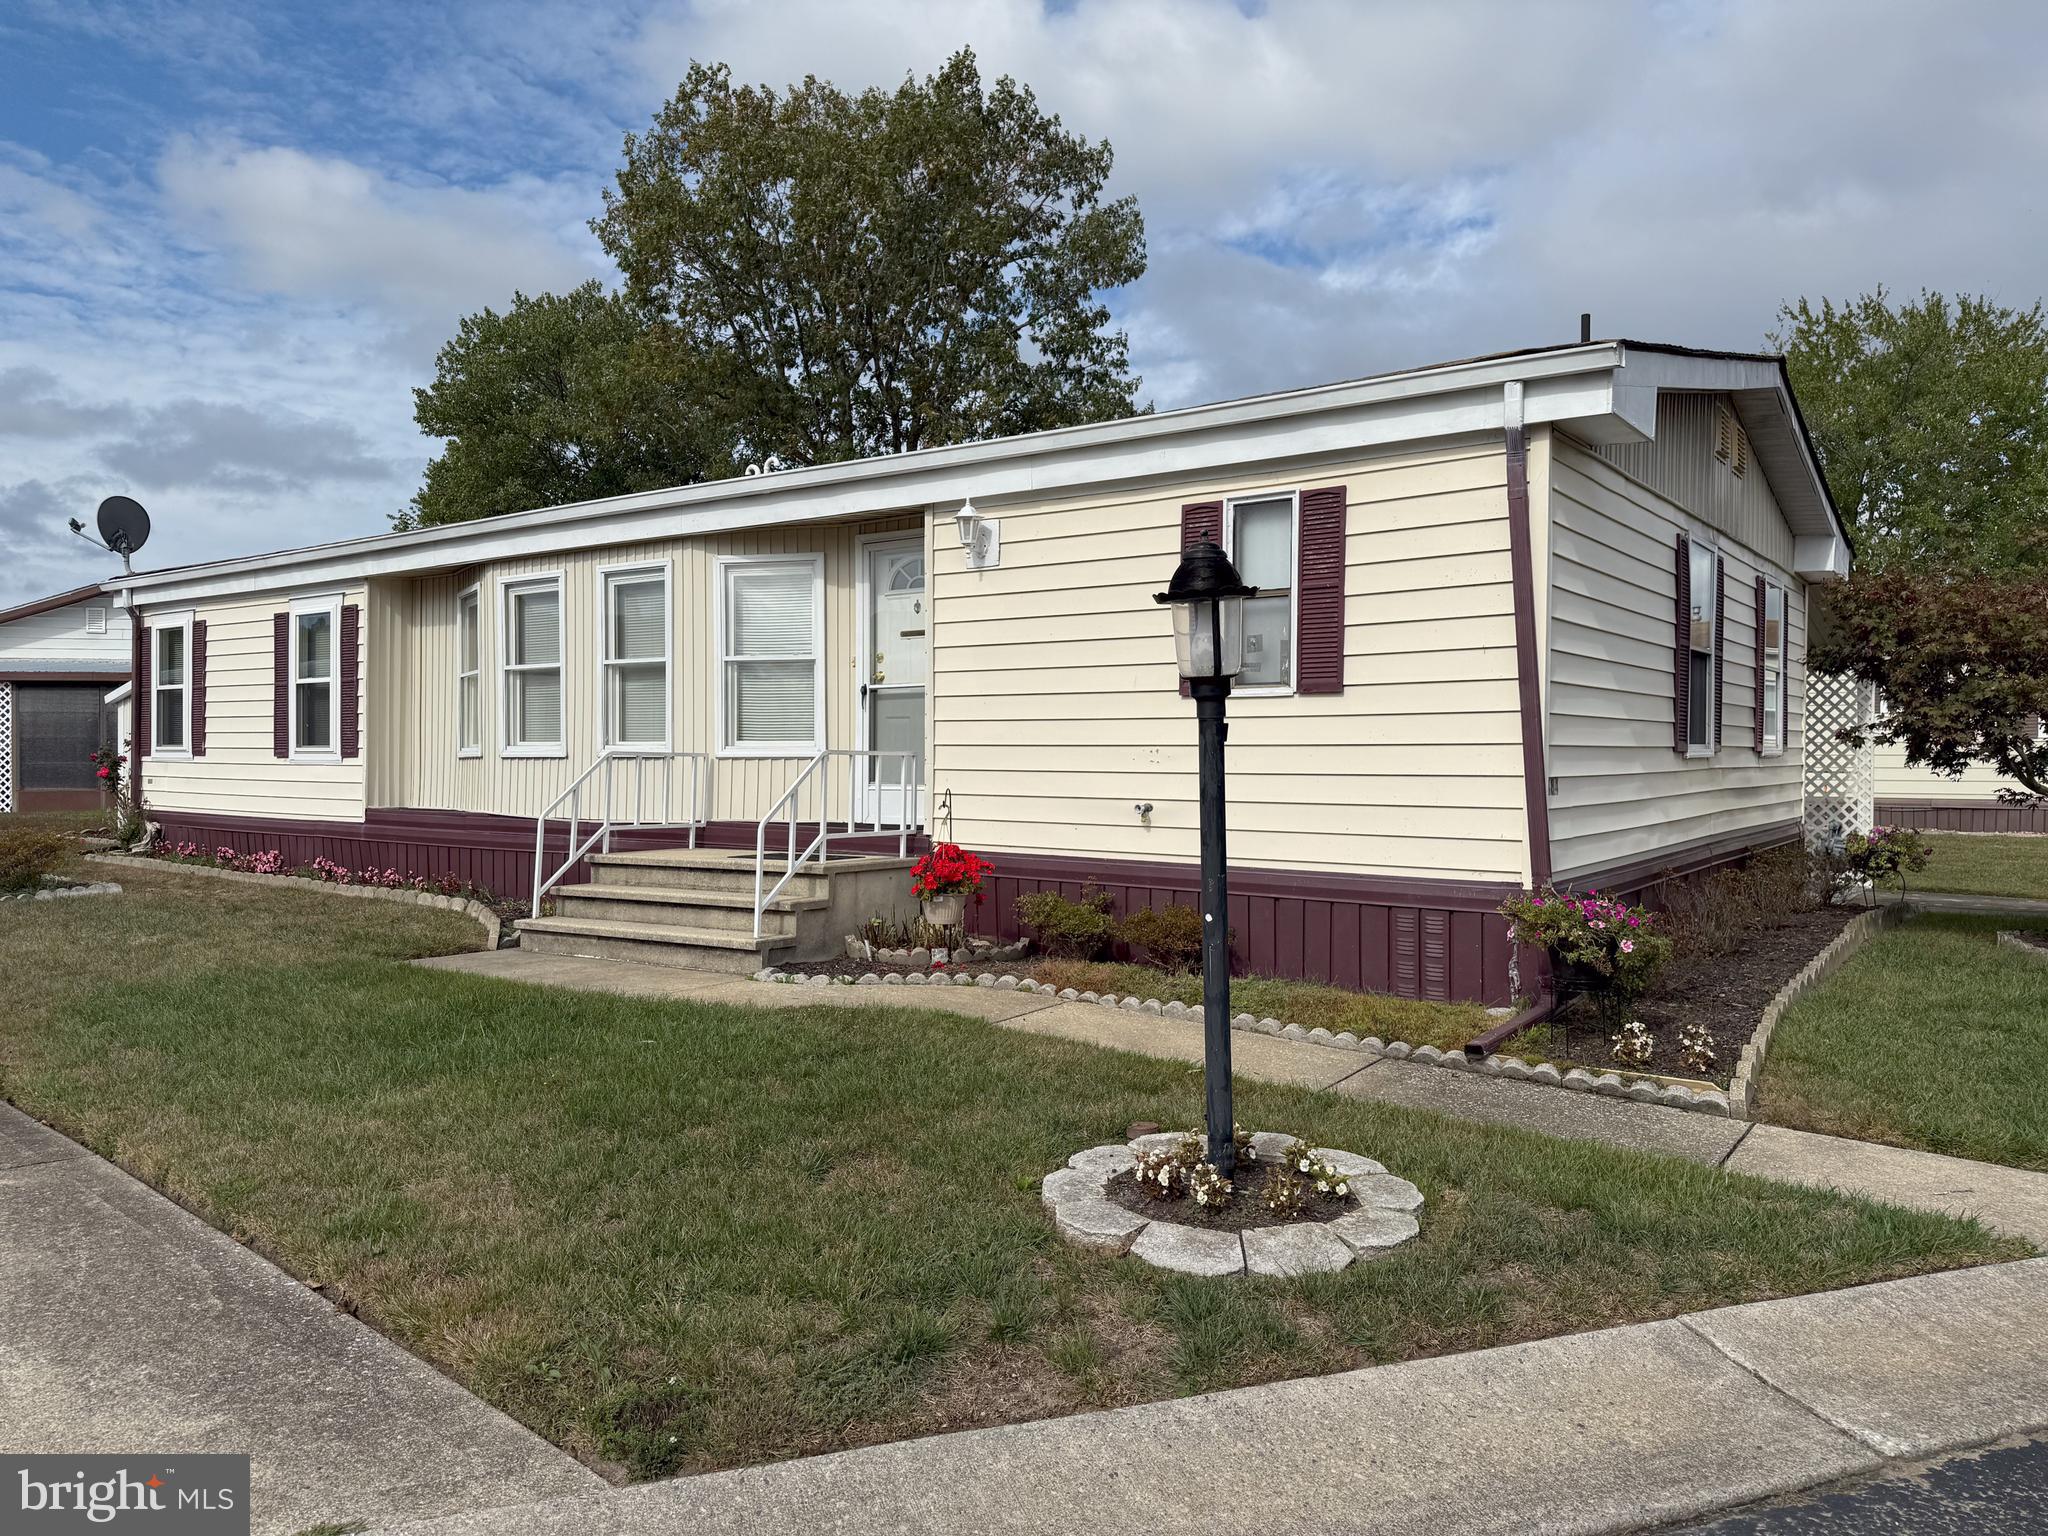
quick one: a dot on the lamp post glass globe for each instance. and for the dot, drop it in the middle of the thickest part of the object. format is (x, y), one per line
(1207, 597)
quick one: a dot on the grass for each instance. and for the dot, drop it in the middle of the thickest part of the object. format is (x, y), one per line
(1447, 1026)
(1931, 1036)
(675, 1237)
(1985, 865)
(60, 821)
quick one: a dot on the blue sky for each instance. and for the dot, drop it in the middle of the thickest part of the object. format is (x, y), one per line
(233, 235)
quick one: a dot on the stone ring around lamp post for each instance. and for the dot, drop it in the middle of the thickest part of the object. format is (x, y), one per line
(1379, 1218)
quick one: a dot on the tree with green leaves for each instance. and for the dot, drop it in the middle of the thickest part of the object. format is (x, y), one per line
(1931, 423)
(881, 272)
(561, 398)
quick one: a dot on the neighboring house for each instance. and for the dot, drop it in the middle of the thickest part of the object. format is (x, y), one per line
(58, 657)
(1528, 616)
(1920, 797)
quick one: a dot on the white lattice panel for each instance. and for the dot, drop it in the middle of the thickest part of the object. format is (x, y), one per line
(1841, 780)
(6, 748)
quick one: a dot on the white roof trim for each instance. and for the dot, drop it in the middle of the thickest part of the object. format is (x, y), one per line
(1599, 387)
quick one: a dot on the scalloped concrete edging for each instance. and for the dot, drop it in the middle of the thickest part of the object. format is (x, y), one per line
(474, 909)
(1858, 931)
(60, 892)
(1077, 1197)
(1642, 1088)
(2008, 938)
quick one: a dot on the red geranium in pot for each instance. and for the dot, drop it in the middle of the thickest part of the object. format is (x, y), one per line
(943, 880)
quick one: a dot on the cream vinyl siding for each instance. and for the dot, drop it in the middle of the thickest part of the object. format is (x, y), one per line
(1622, 792)
(1899, 780)
(62, 635)
(423, 770)
(1057, 708)
(1679, 465)
(239, 775)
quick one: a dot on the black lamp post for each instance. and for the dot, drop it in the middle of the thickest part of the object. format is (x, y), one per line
(1207, 596)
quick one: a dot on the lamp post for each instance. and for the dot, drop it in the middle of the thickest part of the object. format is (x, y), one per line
(1207, 597)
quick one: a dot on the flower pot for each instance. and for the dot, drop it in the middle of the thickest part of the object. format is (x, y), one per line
(945, 911)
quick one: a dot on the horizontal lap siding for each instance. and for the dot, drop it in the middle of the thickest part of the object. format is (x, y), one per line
(428, 773)
(1899, 781)
(1056, 711)
(1622, 793)
(240, 774)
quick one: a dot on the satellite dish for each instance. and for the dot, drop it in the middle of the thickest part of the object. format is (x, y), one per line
(124, 526)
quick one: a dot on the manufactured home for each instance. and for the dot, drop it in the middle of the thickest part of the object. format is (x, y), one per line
(1526, 617)
(1979, 799)
(59, 658)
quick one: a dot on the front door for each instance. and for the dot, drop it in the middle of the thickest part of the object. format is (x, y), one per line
(896, 631)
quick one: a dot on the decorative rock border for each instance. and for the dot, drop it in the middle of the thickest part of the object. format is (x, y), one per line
(1643, 1088)
(1857, 932)
(1077, 1197)
(858, 948)
(2009, 938)
(59, 892)
(475, 909)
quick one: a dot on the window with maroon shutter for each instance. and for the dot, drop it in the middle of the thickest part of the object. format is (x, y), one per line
(1762, 598)
(1200, 520)
(1681, 659)
(145, 685)
(351, 726)
(1319, 649)
(199, 687)
(1720, 646)
(170, 687)
(281, 685)
(1701, 600)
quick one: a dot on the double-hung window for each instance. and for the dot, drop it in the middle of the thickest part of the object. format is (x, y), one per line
(1705, 642)
(532, 650)
(635, 658)
(315, 678)
(171, 686)
(1773, 620)
(469, 723)
(772, 687)
(1260, 536)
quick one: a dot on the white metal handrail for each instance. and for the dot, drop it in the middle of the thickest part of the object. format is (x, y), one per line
(607, 771)
(790, 806)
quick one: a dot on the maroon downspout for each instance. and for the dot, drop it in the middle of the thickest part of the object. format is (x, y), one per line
(134, 706)
(1529, 685)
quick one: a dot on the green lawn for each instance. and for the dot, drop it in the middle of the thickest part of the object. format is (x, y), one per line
(1986, 866)
(1931, 1036)
(676, 1237)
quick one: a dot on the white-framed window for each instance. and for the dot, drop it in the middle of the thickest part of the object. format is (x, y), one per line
(469, 693)
(530, 658)
(1261, 534)
(633, 657)
(1775, 641)
(315, 678)
(170, 682)
(771, 685)
(1704, 645)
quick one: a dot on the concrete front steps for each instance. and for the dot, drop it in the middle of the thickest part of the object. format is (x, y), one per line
(695, 908)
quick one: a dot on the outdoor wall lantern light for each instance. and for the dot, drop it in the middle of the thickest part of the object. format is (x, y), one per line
(1207, 597)
(964, 522)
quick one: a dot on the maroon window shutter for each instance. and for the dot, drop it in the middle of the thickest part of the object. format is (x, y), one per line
(281, 685)
(1319, 648)
(1681, 670)
(1762, 597)
(145, 693)
(351, 729)
(1720, 639)
(1200, 520)
(199, 687)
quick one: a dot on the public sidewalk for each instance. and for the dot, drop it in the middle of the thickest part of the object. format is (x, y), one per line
(1612, 1431)
(129, 1325)
(2008, 1199)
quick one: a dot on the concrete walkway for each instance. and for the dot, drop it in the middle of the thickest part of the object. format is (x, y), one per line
(1612, 1431)
(129, 1325)
(2008, 1199)
(1979, 906)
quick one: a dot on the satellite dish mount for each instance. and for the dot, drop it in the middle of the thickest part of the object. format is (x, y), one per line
(124, 529)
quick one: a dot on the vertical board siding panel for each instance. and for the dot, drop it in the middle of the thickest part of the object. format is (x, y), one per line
(1260, 952)
(1289, 940)
(1318, 954)
(1376, 949)
(1466, 953)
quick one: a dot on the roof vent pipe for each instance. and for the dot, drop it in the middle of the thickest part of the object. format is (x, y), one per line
(1585, 326)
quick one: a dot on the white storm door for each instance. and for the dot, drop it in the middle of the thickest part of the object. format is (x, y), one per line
(896, 663)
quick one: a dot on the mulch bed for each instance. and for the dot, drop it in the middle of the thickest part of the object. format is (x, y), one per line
(1727, 993)
(1245, 1213)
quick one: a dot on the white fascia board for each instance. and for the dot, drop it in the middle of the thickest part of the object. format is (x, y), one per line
(1570, 383)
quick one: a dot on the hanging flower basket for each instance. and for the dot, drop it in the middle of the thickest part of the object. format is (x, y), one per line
(943, 880)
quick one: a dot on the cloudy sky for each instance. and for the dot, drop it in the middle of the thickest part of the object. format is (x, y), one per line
(233, 235)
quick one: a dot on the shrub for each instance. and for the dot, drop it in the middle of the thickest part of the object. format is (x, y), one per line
(1714, 914)
(1171, 937)
(1611, 946)
(27, 854)
(1074, 930)
(1886, 854)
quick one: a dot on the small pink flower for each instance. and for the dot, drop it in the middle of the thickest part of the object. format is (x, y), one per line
(1628, 946)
